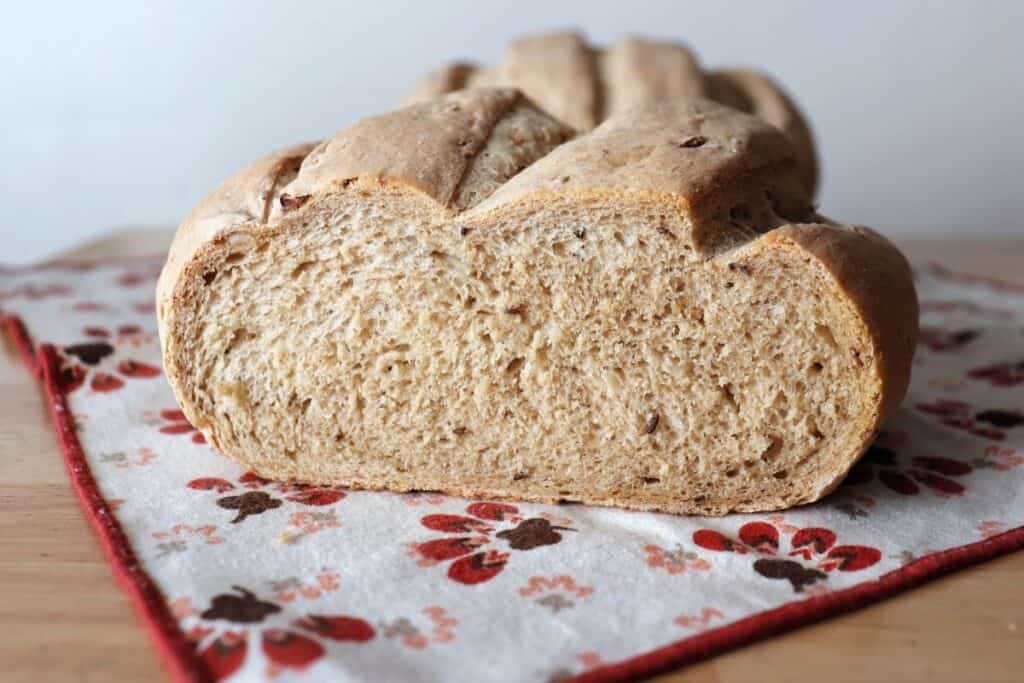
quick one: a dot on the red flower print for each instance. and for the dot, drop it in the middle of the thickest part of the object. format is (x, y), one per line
(338, 628)
(33, 292)
(258, 499)
(474, 562)
(960, 415)
(966, 307)
(90, 356)
(294, 648)
(999, 458)
(133, 278)
(121, 332)
(813, 553)
(225, 654)
(179, 424)
(939, 339)
(1008, 374)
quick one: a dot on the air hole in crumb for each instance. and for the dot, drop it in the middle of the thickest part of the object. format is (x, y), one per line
(817, 367)
(730, 396)
(781, 474)
(234, 257)
(209, 276)
(773, 449)
(470, 302)
(339, 437)
(580, 233)
(514, 365)
(238, 337)
(732, 473)
(824, 333)
(460, 431)
(435, 253)
(518, 310)
(520, 475)
(618, 238)
(729, 285)
(651, 480)
(301, 268)
(558, 248)
(289, 453)
(305, 405)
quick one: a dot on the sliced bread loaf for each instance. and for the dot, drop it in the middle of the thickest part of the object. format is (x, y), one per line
(457, 296)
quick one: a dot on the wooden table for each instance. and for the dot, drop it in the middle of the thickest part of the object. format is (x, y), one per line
(62, 618)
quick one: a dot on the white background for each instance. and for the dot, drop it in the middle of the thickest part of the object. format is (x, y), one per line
(115, 114)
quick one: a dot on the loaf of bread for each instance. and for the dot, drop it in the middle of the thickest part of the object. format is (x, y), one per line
(461, 296)
(582, 85)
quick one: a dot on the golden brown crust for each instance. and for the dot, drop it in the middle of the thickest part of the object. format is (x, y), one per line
(583, 85)
(755, 93)
(636, 71)
(875, 277)
(243, 199)
(445, 134)
(454, 76)
(559, 72)
(696, 153)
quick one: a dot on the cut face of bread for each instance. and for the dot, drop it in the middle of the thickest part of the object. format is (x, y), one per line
(456, 297)
(583, 85)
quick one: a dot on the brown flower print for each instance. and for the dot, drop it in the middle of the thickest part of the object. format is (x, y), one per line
(813, 553)
(474, 562)
(258, 498)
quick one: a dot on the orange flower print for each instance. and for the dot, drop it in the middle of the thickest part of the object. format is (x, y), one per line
(675, 561)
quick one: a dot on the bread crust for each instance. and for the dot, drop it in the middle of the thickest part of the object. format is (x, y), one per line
(583, 85)
(520, 161)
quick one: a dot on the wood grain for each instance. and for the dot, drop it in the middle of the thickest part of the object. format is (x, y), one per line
(63, 618)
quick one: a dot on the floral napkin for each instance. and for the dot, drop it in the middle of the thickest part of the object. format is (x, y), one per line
(244, 579)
